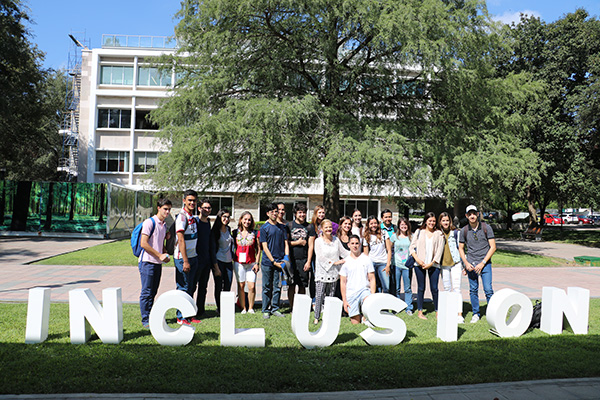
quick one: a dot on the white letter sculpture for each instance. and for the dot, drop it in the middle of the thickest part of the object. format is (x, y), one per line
(327, 333)
(230, 336)
(395, 331)
(85, 310)
(162, 332)
(38, 315)
(447, 324)
(574, 305)
(520, 316)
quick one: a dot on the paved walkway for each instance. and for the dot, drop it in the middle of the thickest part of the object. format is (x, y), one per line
(549, 249)
(17, 277)
(550, 389)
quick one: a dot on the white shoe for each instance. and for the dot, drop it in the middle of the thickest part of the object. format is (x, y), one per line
(251, 311)
(461, 320)
(244, 311)
(475, 319)
(367, 323)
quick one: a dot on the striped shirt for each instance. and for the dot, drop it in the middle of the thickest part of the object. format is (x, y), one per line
(186, 223)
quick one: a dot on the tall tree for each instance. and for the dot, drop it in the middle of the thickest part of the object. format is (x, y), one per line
(563, 56)
(277, 93)
(30, 99)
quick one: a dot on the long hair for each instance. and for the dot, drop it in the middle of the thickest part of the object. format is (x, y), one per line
(360, 225)
(367, 231)
(241, 227)
(340, 231)
(407, 222)
(439, 222)
(314, 217)
(216, 228)
(425, 218)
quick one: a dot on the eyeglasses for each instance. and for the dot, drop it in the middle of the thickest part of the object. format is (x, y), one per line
(206, 208)
(475, 235)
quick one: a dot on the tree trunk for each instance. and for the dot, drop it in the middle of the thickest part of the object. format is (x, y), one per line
(2, 202)
(101, 205)
(331, 196)
(49, 206)
(21, 207)
(533, 219)
(508, 212)
(73, 198)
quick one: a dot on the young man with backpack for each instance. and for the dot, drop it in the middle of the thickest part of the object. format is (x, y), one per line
(186, 260)
(478, 242)
(152, 240)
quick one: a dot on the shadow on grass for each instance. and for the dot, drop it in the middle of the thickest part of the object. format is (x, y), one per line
(137, 368)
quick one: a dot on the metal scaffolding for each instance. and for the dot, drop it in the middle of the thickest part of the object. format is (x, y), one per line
(69, 130)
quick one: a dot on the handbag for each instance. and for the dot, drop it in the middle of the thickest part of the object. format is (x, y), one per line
(410, 262)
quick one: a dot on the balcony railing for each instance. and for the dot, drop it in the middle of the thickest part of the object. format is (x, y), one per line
(139, 41)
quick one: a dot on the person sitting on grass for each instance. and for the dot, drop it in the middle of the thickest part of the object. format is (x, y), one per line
(357, 279)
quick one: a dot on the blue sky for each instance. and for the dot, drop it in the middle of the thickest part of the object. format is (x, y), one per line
(55, 19)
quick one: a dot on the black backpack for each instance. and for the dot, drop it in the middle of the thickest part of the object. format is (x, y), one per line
(172, 241)
(536, 317)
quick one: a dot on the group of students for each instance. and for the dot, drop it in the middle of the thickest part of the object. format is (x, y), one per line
(346, 259)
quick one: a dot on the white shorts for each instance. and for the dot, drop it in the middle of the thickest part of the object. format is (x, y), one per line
(355, 302)
(244, 273)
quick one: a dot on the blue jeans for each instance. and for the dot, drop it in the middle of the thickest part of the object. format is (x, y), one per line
(486, 279)
(223, 282)
(383, 279)
(271, 281)
(406, 275)
(150, 274)
(434, 277)
(186, 281)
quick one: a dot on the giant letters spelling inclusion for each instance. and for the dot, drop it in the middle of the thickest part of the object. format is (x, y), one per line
(162, 332)
(38, 315)
(327, 333)
(230, 336)
(520, 316)
(85, 310)
(395, 328)
(573, 304)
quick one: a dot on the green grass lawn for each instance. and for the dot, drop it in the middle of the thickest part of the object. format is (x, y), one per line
(584, 237)
(140, 365)
(119, 253)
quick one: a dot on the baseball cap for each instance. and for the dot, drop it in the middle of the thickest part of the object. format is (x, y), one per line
(471, 208)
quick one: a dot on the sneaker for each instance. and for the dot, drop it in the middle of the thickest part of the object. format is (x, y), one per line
(184, 321)
(409, 312)
(195, 320)
(461, 320)
(244, 311)
(474, 319)
(146, 326)
(266, 315)
(251, 311)
(277, 314)
(367, 323)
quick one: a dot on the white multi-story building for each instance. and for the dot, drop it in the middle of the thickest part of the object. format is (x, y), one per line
(119, 87)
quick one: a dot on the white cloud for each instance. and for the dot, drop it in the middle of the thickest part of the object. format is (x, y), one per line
(515, 17)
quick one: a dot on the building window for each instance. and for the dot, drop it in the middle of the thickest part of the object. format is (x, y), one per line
(114, 118)
(366, 207)
(116, 75)
(142, 121)
(152, 76)
(145, 161)
(112, 161)
(218, 203)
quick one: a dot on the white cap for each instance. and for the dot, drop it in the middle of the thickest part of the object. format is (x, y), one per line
(471, 208)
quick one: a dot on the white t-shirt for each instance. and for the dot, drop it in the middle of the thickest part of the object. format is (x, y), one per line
(356, 272)
(377, 249)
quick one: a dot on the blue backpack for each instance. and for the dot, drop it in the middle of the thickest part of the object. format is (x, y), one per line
(136, 237)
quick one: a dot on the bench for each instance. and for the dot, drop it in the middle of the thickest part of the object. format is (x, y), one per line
(532, 233)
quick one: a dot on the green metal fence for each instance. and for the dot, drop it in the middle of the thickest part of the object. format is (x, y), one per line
(71, 209)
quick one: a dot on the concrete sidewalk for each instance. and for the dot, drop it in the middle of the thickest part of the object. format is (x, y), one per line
(549, 389)
(549, 249)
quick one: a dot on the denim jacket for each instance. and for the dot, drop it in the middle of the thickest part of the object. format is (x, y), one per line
(453, 244)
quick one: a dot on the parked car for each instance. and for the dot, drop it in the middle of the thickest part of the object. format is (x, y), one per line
(520, 216)
(582, 219)
(552, 219)
(570, 218)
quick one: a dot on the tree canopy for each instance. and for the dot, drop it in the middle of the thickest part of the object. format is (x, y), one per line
(275, 93)
(30, 101)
